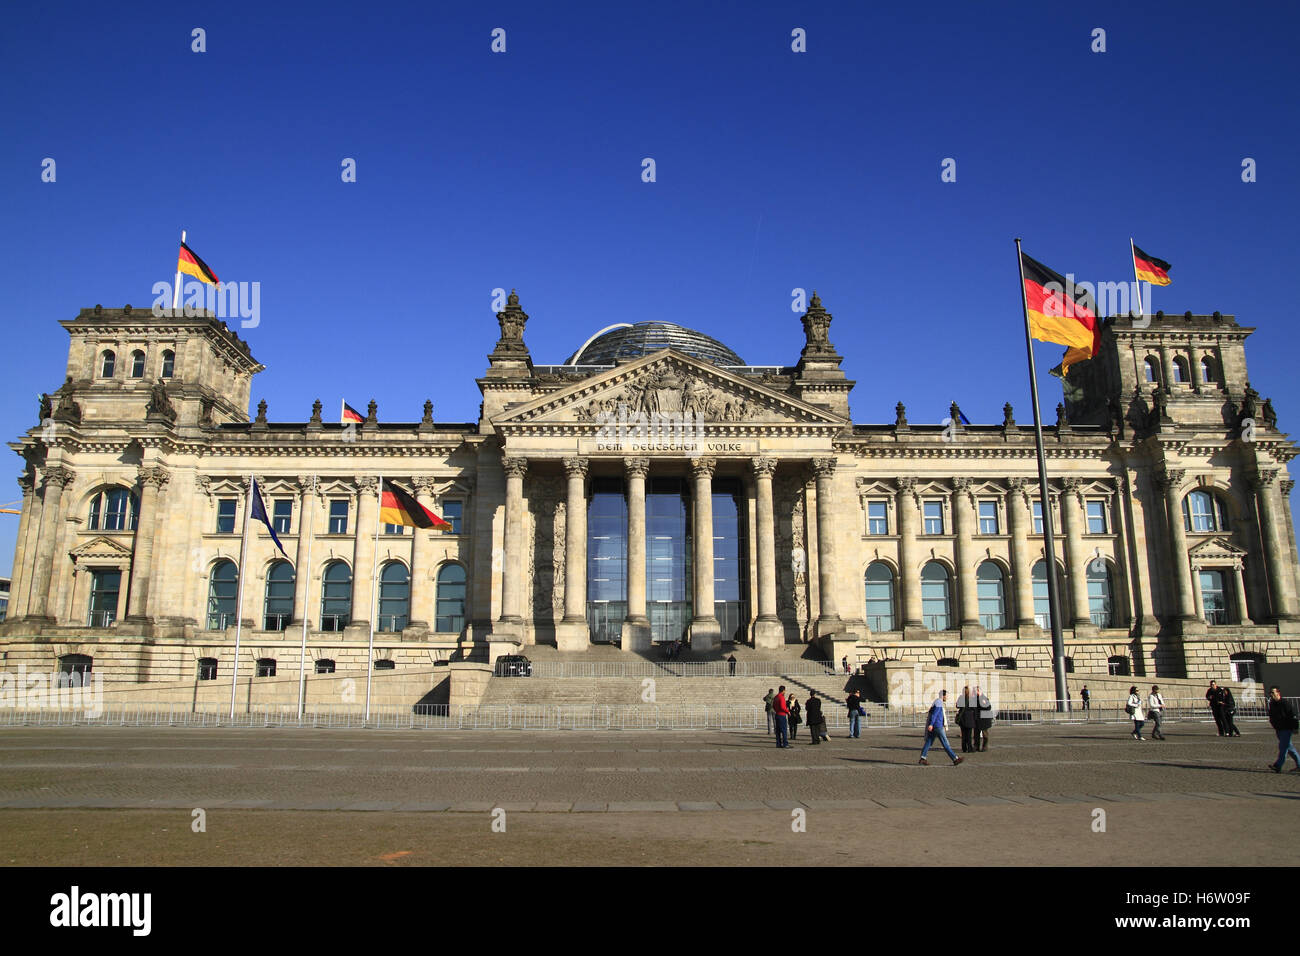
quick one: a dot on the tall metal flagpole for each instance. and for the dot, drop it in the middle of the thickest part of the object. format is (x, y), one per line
(374, 609)
(176, 289)
(305, 527)
(239, 597)
(1049, 546)
(1137, 283)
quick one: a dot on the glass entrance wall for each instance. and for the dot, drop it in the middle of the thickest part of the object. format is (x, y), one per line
(606, 559)
(668, 558)
(730, 560)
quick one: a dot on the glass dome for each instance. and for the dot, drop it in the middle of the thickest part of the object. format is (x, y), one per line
(633, 341)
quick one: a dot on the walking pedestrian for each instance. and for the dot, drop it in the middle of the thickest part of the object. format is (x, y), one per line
(816, 721)
(731, 666)
(985, 722)
(767, 707)
(1086, 696)
(934, 722)
(1134, 709)
(1156, 709)
(796, 716)
(967, 718)
(1282, 715)
(845, 662)
(1216, 705)
(854, 703)
(781, 714)
(1229, 712)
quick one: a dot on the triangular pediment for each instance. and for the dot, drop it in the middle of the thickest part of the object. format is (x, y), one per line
(666, 383)
(101, 549)
(1217, 549)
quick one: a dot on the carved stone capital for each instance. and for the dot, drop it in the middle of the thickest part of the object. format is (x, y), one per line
(1169, 479)
(703, 467)
(824, 467)
(203, 484)
(576, 467)
(307, 484)
(1019, 486)
(514, 466)
(156, 476)
(424, 484)
(636, 467)
(1263, 478)
(763, 467)
(59, 476)
(1074, 486)
(907, 487)
(1286, 487)
(367, 485)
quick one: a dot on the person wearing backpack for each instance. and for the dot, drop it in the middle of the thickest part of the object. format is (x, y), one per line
(1282, 715)
(1134, 709)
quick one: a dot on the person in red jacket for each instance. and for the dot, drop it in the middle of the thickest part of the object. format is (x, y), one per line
(781, 711)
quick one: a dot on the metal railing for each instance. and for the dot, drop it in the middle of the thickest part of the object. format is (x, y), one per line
(333, 622)
(219, 622)
(671, 668)
(276, 622)
(880, 622)
(101, 618)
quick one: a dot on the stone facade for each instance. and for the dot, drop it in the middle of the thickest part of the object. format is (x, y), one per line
(1168, 489)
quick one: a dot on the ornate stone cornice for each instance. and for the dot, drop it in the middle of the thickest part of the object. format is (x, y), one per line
(576, 467)
(763, 467)
(637, 467)
(514, 466)
(703, 467)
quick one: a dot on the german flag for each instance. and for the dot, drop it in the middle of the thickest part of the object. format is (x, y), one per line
(397, 507)
(192, 265)
(1150, 269)
(1060, 313)
(350, 414)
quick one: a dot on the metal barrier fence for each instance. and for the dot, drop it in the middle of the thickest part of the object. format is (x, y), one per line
(578, 717)
(669, 668)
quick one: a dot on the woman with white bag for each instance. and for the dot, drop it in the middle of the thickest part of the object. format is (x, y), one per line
(1134, 709)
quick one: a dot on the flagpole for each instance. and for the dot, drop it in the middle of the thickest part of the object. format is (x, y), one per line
(1137, 283)
(374, 608)
(239, 598)
(305, 527)
(1049, 547)
(176, 289)
(341, 404)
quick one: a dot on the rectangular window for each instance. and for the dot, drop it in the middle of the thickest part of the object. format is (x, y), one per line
(225, 516)
(934, 517)
(877, 519)
(339, 516)
(988, 517)
(394, 529)
(1096, 517)
(451, 513)
(1038, 517)
(104, 587)
(281, 520)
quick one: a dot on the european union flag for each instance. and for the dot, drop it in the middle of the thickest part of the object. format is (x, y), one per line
(259, 514)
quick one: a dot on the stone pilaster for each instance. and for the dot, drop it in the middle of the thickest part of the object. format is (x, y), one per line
(1072, 519)
(909, 584)
(152, 481)
(828, 618)
(636, 626)
(363, 564)
(768, 631)
(963, 508)
(56, 480)
(706, 632)
(1169, 482)
(1239, 589)
(1021, 527)
(572, 633)
(1275, 552)
(302, 571)
(423, 583)
(28, 522)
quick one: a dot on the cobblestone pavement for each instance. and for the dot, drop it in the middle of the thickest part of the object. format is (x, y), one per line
(706, 797)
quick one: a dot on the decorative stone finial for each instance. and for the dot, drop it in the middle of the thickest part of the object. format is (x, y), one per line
(371, 418)
(315, 412)
(1008, 419)
(816, 328)
(428, 413)
(261, 412)
(900, 415)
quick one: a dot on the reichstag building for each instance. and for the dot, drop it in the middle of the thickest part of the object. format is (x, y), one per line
(653, 487)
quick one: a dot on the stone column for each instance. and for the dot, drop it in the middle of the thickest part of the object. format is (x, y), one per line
(1193, 366)
(963, 507)
(1275, 551)
(828, 620)
(301, 571)
(572, 633)
(28, 522)
(423, 583)
(909, 583)
(1243, 610)
(1022, 564)
(1167, 367)
(1076, 558)
(363, 565)
(1169, 482)
(147, 530)
(636, 626)
(56, 480)
(706, 632)
(768, 631)
(513, 548)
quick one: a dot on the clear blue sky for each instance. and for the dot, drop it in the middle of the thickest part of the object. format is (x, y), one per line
(775, 170)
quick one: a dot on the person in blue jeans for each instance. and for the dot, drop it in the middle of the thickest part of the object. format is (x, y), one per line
(854, 703)
(934, 722)
(1282, 715)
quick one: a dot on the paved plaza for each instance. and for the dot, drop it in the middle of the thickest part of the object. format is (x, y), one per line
(127, 796)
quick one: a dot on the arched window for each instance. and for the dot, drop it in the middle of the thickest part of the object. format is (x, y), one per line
(75, 669)
(384, 665)
(1208, 375)
(990, 586)
(1117, 666)
(936, 597)
(1042, 603)
(137, 364)
(279, 596)
(1180, 369)
(335, 597)
(324, 666)
(266, 667)
(207, 668)
(394, 596)
(1203, 511)
(1004, 664)
(451, 599)
(107, 363)
(1246, 666)
(113, 509)
(222, 584)
(1101, 597)
(880, 597)
(1151, 369)
(168, 363)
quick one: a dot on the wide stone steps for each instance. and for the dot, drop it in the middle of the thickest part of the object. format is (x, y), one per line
(665, 691)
